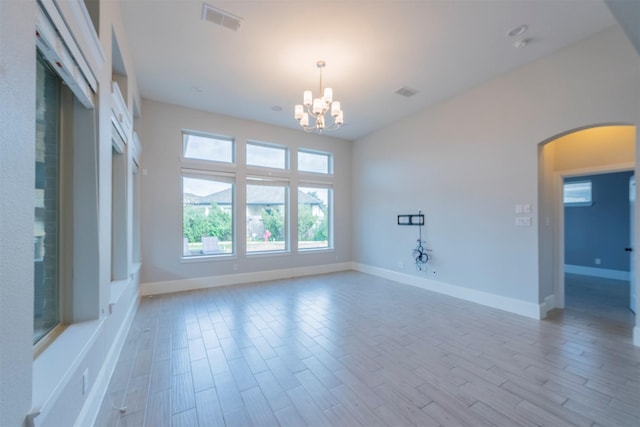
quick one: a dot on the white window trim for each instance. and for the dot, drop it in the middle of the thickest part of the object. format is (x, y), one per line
(212, 175)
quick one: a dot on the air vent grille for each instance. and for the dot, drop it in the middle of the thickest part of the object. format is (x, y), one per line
(220, 17)
(406, 91)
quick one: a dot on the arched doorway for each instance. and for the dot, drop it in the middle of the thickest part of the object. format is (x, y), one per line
(587, 151)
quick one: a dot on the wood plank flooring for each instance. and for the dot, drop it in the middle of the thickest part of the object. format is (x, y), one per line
(349, 349)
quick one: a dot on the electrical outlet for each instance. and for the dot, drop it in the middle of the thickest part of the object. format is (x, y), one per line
(400, 265)
(598, 261)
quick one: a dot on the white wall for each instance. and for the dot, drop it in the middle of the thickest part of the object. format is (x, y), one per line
(468, 161)
(51, 383)
(17, 171)
(162, 268)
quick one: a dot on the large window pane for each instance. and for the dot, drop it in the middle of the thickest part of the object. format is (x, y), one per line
(313, 217)
(135, 189)
(268, 156)
(266, 218)
(47, 202)
(119, 259)
(212, 148)
(207, 217)
(309, 161)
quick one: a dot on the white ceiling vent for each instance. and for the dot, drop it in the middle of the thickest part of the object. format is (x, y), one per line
(406, 91)
(220, 17)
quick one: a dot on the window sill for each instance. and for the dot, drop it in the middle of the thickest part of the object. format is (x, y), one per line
(315, 250)
(207, 258)
(66, 353)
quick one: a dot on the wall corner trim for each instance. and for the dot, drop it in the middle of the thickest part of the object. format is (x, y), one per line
(511, 305)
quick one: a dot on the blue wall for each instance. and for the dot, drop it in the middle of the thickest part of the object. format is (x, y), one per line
(603, 229)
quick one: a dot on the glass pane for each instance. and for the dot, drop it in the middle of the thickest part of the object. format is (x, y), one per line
(207, 217)
(313, 218)
(47, 203)
(208, 148)
(135, 190)
(266, 156)
(314, 162)
(577, 192)
(266, 208)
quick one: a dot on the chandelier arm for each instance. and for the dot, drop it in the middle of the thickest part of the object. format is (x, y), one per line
(333, 127)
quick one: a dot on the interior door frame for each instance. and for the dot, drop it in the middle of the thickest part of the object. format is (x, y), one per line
(558, 182)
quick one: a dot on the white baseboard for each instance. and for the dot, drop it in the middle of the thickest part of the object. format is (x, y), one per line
(512, 305)
(155, 288)
(597, 272)
(92, 405)
(548, 305)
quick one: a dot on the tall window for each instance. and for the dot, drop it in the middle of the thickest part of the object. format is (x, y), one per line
(119, 259)
(313, 217)
(135, 190)
(48, 201)
(207, 216)
(266, 218)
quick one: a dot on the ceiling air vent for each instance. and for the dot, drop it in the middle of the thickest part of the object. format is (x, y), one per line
(406, 91)
(220, 17)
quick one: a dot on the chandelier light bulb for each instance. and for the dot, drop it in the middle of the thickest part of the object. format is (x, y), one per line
(307, 96)
(335, 108)
(304, 121)
(328, 95)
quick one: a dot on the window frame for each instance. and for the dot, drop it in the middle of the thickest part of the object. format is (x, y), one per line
(330, 161)
(63, 264)
(220, 177)
(269, 145)
(329, 188)
(259, 180)
(206, 162)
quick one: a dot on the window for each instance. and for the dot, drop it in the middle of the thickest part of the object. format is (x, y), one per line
(266, 217)
(313, 217)
(119, 259)
(311, 161)
(135, 191)
(207, 147)
(265, 155)
(207, 215)
(48, 201)
(212, 221)
(577, 193)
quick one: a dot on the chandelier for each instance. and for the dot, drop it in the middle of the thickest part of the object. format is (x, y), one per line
(318, 108)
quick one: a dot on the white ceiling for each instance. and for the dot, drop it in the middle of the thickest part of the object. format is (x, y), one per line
(372, 48)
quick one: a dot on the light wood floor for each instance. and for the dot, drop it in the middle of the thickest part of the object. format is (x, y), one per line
(350, 349)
